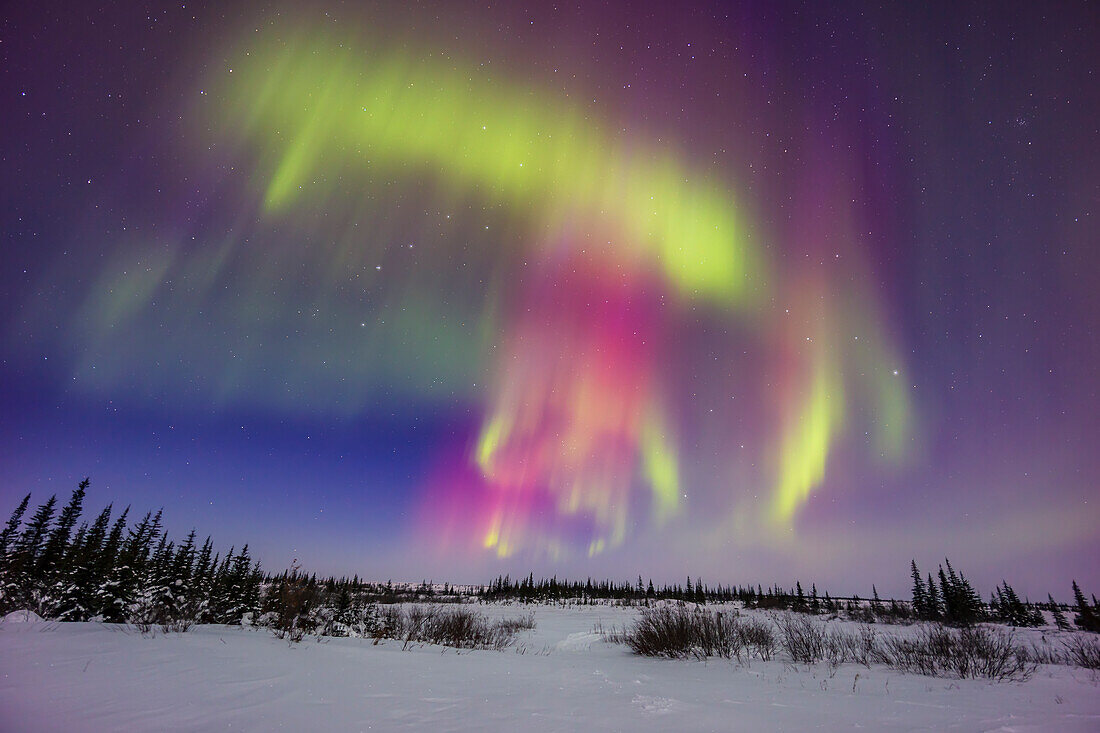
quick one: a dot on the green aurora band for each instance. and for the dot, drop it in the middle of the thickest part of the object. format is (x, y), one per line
(325, 118)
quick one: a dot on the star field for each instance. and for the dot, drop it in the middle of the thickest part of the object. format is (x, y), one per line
(756, 291)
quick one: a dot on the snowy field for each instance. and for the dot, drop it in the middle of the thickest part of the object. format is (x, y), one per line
(560, 676)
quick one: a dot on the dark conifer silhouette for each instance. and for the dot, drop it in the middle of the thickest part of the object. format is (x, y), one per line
(920, 595)
(61, 568)
(1059, 617)
(1087, 617)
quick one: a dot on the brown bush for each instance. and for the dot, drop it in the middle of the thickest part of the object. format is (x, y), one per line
(455, 626)
(679, 632)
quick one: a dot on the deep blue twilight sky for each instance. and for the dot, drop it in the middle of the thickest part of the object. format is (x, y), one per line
(754, 291)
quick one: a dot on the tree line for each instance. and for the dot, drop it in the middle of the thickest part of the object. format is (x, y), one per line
(946, 597)
(119, 571)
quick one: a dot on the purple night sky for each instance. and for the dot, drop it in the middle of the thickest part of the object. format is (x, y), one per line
(753, 292)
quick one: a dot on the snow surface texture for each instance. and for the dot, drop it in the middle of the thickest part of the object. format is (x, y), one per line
(560, 677)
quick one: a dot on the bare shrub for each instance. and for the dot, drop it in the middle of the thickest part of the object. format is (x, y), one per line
(759, 638)
(418, 624)
(719, 635)
(1083, 651)
(836, 646)
(1046, 653)
(992, 654)
(802, 638)
(515, 625)
(836, 649)
(612, 634)
(975, 652)
(457, 626)
(391, 622)
(663, 632)
(678, 632)
(862, 650)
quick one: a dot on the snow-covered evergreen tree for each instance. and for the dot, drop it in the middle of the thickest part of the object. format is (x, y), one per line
(107, 598)
(25, 581)
(7, 554)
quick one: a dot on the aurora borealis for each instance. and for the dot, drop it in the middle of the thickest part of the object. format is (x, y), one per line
(758, 293)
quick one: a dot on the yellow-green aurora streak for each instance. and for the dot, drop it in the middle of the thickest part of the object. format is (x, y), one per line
(318, 106)
(322, 115)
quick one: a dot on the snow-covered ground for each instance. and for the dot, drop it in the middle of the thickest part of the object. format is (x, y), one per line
(560, 676)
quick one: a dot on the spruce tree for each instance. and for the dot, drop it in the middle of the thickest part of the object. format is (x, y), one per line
(11, 528)
(972, 610)
(799, 604)
(24, 583)
(53, 572)
(64, 591)
(30, 543)
(242, 591)
(949, 597)
(107, 600)
(152, 601)
(920, 595)
(132, 572)
(1086, 619)
(1008, 608)
(1036, 614)
(343, 613)
(202, 581)
(78, 592)
(934, 601)
(219, 598)
(877, 609)
(8, 585)
(58, 539)
(961, 604)
(180, 604)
